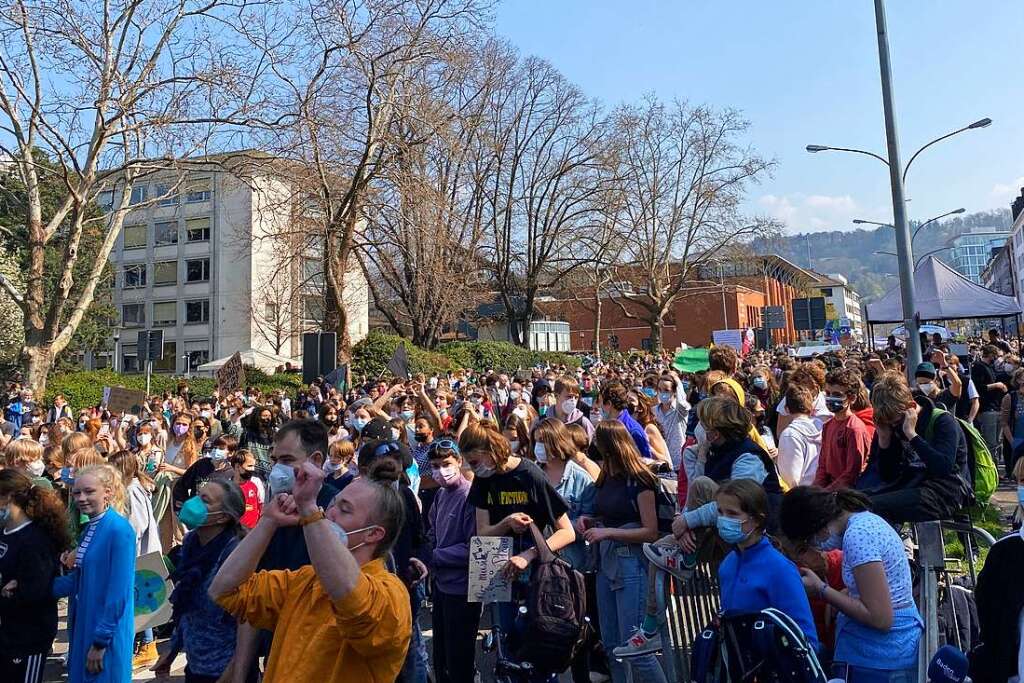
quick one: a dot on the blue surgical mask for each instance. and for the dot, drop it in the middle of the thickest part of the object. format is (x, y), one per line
(343, 535)
(219, 454)
(540, 453)
(760, 383)
(282, 478)
(833, 542)
(666, 397)
(359, 424)
(193, 513)
(649, 392)
(731, 530)
(1020, 495)
(408, 415)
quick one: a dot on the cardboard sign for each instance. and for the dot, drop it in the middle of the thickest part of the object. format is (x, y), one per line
(121, 400)
(487, 556)
(231, 375)
(152, 592)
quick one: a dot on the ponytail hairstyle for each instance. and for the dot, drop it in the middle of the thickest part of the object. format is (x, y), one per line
(110, 479)
(42, 506)
(806, 510)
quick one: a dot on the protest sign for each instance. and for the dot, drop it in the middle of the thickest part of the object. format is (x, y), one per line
(152, 592)
(121, 400)
(231, 375)
(487, 556)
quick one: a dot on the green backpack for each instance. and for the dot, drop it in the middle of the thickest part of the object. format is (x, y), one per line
(984, 475)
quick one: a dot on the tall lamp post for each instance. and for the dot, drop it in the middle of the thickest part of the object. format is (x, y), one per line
(858, 221)
(897, 174)
(117, 355)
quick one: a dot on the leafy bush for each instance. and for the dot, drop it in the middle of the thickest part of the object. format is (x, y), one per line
(371, 355)
(85, 388)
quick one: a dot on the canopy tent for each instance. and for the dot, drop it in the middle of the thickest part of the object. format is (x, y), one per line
(943, 294)
(267, 362)
(901, 331)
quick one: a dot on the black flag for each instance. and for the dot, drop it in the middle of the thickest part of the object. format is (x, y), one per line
(399, 363)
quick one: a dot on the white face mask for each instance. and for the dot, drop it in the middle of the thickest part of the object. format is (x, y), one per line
(568, 405)
(514, 444)
(144, 439)
(37, 467)
(540, 453)
(926, 387)
(521, 412)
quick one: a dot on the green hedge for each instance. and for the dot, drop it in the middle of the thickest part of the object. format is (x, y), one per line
(370, 356)
(85, 388)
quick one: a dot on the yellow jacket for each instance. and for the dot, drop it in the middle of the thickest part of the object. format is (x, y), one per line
(362, 638)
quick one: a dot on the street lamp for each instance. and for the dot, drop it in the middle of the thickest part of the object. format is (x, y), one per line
(117, 356)
(922, 257)
(858, 221)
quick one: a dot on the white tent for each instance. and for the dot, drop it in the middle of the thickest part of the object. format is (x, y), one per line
(267, 362)
(943, 294)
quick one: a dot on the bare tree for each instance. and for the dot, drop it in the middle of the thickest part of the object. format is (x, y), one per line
(347, 70)
(111, 92)
(546, 140)
(272, 315)
(683, 174)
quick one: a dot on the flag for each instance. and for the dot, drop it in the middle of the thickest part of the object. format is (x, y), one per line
(399, 363)
(691, 360)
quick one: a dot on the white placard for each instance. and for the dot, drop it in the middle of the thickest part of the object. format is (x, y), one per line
(733, 338)
(487, 556)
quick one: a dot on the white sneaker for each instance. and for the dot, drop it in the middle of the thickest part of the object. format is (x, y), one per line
(638, 644)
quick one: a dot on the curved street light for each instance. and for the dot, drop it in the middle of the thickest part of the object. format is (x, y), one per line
(858, 221)
(922, 257)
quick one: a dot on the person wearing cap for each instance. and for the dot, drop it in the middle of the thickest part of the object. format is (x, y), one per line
(452, 524)
(917, 470)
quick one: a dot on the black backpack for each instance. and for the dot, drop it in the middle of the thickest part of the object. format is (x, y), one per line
(556, 606)
(765, 646)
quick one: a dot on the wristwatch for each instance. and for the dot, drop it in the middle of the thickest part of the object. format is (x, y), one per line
(315, 516)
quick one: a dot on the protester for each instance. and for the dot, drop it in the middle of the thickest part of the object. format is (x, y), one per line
(340, 464)
(343, 617)
(613, 404)
(990, 394)
(845, 443)
(879, 627)
(101, 585)
(26, 456)
(243, 463)
(35, 533)
(800, 443)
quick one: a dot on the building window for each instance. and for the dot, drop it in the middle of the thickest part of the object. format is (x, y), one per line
(169, 363)
(139, 194)
(166, 233)
(198, 229)
(133, 315)
(165, 313)
(135, 276)
(169, 196)
(165, 273)
(129, 359)
(312, 273)
(199, 190)
(313, 309)
(198, 352)
(197, 311)
(105, 200)
(197, 270)
(134, 236)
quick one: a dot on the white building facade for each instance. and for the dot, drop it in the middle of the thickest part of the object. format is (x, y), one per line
(207, 265)
(842, 303)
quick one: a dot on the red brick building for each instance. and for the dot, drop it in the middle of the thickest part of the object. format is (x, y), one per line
(744, 288)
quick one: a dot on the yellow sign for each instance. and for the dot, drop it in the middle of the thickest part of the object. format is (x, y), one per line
(830, 311)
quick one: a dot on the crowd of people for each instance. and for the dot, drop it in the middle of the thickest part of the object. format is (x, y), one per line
(309, 535)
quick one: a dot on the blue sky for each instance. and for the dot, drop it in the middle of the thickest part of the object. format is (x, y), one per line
(807, 72)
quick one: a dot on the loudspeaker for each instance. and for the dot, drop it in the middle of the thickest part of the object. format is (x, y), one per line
(328, 353)
(310, 356)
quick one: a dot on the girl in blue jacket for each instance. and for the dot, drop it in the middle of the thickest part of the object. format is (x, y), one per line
(755, 576)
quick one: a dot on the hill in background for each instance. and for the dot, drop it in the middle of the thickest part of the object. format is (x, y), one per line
(852, 253)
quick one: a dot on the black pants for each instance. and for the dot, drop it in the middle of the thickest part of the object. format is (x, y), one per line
(920, 504)
(591, 655)
(28, 669)
(455, 628)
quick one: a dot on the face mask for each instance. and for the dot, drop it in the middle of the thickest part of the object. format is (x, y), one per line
(835, 405)
(445, 476)
(282, 479)
(521, 413)
(420, 438)
(649, 392)
(144, 439)
(180, 430)
(5, 514)
(37, 467)
(408, 415)
(731, 530)
(540, 453)
(205, 414)
(760, 383)
(514, 444)
(568, 405)
(514, 396)
(833, 542)
(395, 434)
(331, 467)
(926, 387)
(343, 535)
(358, 423)
(247, 474)
(193, 513)
(219, 454)
(686, 386)
(665, 397)
(483, 471)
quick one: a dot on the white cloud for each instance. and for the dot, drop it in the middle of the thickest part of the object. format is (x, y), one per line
(1003, 194)
(816, 213)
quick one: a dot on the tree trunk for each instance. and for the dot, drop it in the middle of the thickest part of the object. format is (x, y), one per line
(656, 329)
(37, 359)
(597, 325)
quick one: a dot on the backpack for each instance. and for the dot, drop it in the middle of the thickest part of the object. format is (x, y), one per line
(556, 606)
(765, 646)
(984, 475)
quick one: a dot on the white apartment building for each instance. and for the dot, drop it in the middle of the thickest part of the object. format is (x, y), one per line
(1016, 242)
(842, 303)
(209, 266)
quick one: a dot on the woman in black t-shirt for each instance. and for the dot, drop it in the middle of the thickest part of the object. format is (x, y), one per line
(625, 517)
(34, 533)
(510, 493)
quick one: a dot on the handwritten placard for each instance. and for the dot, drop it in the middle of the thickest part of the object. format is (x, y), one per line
(487, 556)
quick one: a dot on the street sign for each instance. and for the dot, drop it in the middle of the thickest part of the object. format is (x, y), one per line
(774, 317)
(150, 345)
(809, 314)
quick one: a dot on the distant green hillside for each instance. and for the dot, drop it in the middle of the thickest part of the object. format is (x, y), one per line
(852, 253)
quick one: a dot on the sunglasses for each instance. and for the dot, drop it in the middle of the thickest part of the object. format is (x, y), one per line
(443, 445)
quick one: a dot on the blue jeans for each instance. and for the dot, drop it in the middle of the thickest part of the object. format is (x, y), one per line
(863, 674)
(620, 609)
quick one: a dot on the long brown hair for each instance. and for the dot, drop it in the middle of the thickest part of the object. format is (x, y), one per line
(484, 435)
(619, 454)
(40, 505)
